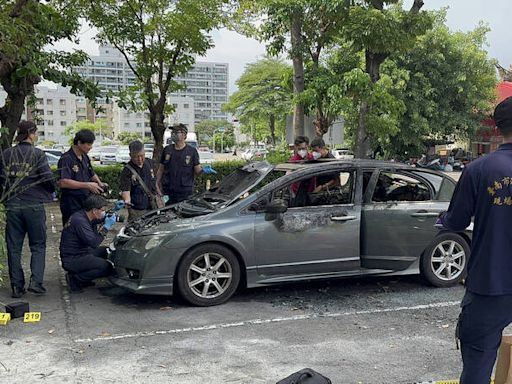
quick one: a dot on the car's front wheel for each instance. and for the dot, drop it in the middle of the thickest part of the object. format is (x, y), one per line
(444, 262)
(208, 275)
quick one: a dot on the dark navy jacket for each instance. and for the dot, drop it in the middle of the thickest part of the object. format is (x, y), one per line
(179, 166)
(79, 237)
(25, 174)
(129, 182)
(485, 192)
(71, 167)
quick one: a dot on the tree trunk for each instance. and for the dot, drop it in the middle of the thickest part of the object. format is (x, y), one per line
(298, 71)
(10, 113)
(156, 121)
(272, 126)
(362, 148)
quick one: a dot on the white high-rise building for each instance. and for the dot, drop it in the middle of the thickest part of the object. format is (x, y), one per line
(206, 83)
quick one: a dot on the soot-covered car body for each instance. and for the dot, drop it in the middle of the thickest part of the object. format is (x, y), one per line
(266, 225)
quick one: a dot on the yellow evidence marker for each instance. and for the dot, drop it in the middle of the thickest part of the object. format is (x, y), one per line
(5, 318)
(32, 317)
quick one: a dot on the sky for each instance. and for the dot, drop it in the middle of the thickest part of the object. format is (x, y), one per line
(462, 15)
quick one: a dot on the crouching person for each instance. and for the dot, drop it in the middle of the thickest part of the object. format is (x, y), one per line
(80, 251)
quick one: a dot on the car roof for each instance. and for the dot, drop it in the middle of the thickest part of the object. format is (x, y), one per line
(332, 163)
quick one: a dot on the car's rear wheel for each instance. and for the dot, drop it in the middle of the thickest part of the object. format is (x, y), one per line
(208, 275)
(444, 262)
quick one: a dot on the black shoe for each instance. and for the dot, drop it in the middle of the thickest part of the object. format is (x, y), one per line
(36, 288)
(73, 283)
(17, 292)
(85, 284)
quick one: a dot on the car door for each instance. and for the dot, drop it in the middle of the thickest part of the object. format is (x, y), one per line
(317, 234)
(398, 217)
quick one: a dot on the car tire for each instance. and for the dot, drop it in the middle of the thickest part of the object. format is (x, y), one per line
(208, 275)
(444, 262)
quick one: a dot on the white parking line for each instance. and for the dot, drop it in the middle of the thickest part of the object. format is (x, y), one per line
(265, 321)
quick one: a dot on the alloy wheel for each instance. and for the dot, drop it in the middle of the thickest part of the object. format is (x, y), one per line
(209, 275)
(447, 260)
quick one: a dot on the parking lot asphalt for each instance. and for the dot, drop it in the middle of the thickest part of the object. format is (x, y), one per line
(371, 330)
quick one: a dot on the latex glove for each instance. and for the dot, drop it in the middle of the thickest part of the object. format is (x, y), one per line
(110, 220)
(119, 205)
(208, 170)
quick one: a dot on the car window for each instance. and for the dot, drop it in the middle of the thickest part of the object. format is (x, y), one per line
(434, 180)
(305, 192)
(446, 190)
(397, 187)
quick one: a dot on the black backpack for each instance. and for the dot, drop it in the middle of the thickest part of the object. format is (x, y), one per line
(305, 376)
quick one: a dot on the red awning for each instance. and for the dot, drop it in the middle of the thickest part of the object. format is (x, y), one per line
(504, 91)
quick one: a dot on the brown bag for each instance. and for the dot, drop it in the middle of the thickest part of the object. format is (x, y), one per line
(155, 201)
(503, 365)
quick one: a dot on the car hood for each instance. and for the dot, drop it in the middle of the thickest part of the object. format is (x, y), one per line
(229, 190)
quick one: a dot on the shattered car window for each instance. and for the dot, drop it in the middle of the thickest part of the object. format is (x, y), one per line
(398, 187)
(305, 192)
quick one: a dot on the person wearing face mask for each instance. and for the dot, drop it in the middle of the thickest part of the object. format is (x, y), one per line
(26, 183)
(80, 251)
(300, 149)
(320, 151)
(178, 166)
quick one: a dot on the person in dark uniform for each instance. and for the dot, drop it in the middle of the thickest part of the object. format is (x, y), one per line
(178, 166)
(27, 183)
(320, 151)
(80, 251)
(484, 192)
(76, 176)
(139, 170)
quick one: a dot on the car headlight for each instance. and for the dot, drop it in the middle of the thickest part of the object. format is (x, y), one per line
(141, 243)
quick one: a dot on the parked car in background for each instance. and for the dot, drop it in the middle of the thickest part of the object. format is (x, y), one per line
(94, 154)
(123, 155)
(108, 155)
(54, 152)
(204, 148)
(261, 225)
(205, 157)
(342, 154)
(254, 154)
(52, 159)
(149, 148)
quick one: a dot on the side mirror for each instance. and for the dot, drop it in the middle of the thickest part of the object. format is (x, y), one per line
(274, 209)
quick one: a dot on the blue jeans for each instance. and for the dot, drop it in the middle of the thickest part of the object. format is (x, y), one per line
(89, 267)
(481, 323)
(25, 218)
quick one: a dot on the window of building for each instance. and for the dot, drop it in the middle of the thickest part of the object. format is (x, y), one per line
(63, 113)
(49, 122)
(62, 101)
(63, 124)
(49, 102)
(185, 106)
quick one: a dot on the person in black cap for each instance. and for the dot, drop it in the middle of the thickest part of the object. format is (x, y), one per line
(77, 179)
(138, 181)
(27, 183)
(178, 166)
(484, 192)
(80, 251)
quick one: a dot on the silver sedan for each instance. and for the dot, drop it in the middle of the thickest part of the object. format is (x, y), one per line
(267, 224)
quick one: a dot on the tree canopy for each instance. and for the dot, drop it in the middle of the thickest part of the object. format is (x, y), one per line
(29, 28)
(263, 96)
(159, 40)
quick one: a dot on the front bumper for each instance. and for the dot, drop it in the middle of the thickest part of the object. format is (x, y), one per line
(145, 287)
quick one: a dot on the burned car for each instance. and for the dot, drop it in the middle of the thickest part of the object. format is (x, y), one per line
(266, 224)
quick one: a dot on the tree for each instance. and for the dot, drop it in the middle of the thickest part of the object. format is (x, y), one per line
(262, 95)
(302, 29)
(159, 40)
(450, 90)
(380, 31)
(126, 138)
(27, 28)
(100, 128)
(206, 129)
